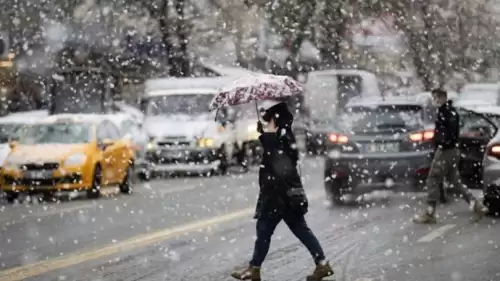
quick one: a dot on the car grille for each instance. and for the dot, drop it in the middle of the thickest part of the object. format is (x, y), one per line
(69, 179)
(40, 166)
(185, 158)
(174, 142)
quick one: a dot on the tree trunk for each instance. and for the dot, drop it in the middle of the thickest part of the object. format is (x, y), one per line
(293, 59)
(162, 15)
(334, 28)
(182, 67)
(241, 59)
(427, 62)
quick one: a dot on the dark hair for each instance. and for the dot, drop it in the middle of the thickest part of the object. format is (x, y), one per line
(439, 93)
(280, 114)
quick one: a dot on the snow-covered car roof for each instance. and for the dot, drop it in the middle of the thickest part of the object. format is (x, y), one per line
(471, 104)
(90, 118)
(481, 87)
(187, 91)
(163, 84)
(118, 118)
(24, 117)
(380, 101)
(130, 110)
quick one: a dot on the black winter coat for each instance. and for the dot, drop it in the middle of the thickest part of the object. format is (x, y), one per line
(279, 178)
(447, 127)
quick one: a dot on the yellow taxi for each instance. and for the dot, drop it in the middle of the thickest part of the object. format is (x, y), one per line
(67, 153)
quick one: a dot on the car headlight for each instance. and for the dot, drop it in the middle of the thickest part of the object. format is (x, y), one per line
(75, 160)
(151, 146)
(252, 128)
(12, 164)
(206, 142)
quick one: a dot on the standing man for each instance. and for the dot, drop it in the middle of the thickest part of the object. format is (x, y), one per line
(446, 158)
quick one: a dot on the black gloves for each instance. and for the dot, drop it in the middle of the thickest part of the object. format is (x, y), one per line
(260, 127)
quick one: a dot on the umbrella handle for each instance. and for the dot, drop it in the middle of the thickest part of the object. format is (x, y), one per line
(257, 110)
(216, 113)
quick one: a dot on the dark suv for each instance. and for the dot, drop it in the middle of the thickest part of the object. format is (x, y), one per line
(387, 145)
(374, 145)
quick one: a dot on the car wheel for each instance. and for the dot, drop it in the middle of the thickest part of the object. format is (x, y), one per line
(95, 190)
(126, 184)
(146, 174)
(11, 197)
(335, 191)
(492, 205)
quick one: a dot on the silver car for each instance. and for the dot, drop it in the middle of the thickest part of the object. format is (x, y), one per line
(491, 164)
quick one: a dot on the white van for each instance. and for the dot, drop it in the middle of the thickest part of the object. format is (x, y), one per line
(327, 92)
(185, 135)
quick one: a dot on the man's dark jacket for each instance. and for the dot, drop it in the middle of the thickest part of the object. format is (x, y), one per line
(447, 127)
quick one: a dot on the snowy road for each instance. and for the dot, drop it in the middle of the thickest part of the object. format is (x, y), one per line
(201, 228)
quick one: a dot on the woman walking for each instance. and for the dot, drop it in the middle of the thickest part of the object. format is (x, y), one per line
(281, 195)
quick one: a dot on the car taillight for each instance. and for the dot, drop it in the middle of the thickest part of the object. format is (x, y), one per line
(422, 136)
(494, 151)
(337, 138)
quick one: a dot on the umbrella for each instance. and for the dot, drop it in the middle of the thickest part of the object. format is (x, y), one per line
(256, 87)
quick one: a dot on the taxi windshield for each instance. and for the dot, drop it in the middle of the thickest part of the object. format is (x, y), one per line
(63, 133)
(8, 132)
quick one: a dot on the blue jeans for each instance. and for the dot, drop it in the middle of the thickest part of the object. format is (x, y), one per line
(297, 224)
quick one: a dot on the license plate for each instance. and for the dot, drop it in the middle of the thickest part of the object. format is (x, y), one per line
(381, 147)
(38, 175)
(171, 154)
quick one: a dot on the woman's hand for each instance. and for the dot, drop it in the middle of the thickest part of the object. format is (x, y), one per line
(260, 127)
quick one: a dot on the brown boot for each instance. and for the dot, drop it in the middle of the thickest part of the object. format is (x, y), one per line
(479, 210)
(321, 271)
(252, 273)
(425, 218)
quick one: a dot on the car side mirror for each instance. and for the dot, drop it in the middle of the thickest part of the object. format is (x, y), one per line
(13, 144)
(104, 144)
